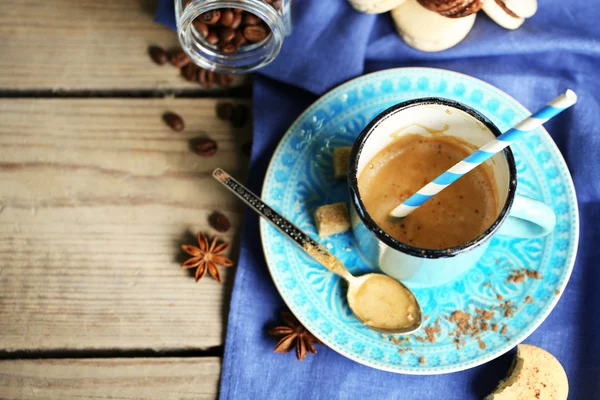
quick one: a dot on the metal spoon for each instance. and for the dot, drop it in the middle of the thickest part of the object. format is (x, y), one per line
(365, 294)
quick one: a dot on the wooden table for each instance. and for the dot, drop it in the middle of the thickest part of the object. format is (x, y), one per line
(96, 196)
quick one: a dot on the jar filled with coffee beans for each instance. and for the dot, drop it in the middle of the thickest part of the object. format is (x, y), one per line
(232, 36)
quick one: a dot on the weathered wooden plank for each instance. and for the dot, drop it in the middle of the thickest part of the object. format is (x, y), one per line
(96, 197)
(84, 45)
(112, 378)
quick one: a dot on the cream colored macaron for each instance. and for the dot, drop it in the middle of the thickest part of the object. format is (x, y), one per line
(427, 30)
(534, 374)
(510, 14)
(375, 6)
(522, 8)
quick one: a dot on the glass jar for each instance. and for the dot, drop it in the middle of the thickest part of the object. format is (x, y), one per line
(275, 16)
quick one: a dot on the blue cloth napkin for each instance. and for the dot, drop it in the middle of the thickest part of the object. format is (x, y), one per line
(558, 48)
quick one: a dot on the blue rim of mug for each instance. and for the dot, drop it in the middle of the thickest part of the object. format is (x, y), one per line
(361, 211)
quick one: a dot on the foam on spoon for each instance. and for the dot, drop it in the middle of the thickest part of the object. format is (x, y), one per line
(382, 302)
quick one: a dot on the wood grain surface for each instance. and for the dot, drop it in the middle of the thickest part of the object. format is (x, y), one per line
(85, 45)
(112, 378)
(96, 197)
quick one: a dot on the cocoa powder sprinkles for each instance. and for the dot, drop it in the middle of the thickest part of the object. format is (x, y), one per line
(518, 276)
(477, 321)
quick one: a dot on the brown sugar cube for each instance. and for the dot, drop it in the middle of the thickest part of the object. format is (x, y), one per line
(332, 218)
(341, 158)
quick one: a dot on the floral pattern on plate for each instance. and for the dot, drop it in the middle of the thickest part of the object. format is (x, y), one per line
(300, 178)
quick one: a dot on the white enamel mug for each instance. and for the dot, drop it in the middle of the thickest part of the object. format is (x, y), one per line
(519, 216)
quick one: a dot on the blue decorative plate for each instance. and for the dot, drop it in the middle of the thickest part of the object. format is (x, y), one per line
(300, 179)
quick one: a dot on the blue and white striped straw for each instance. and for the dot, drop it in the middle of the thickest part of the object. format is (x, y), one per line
(488, 150)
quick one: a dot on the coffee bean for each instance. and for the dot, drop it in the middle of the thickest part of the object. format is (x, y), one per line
(226, 35)
(210, 79)
(204, 146)
(220, 80)
(238, 40)
(225, 111)
(174, 121)
(158, 55)
(276, 4)
(223, 80)
(180, 59)
(255, 33)
(237, 20)
(219, 222)
(228, 48)
(189, 72)
(239, 115)
(201, 27)
(202, 76)
(210, 17)
(227, 17)
(223, 26)
(250, 19)
(212, 38)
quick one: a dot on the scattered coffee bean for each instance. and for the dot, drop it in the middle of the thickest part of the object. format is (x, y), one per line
(224, 79)
(174, 121)
(219, 222)
(210, 78)
(158, 55)
(239, 115)
(189, 72)
(202, 76)
(180, 59)
(204, 147)
(225, 111)
(255, 33)
(236, 114)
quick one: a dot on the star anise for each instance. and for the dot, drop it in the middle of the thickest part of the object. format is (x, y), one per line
(293, 333)
(206, 257)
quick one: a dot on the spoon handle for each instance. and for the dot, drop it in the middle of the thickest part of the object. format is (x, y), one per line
(309, 245)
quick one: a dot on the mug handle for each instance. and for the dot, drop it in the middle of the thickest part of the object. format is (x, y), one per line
(528, 218)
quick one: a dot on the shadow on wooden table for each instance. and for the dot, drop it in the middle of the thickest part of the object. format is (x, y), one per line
(148, 6)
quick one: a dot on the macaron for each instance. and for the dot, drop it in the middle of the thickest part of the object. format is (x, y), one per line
(427, 30)
(522, 8)
(375, 6)
(510, 14)
(453, 8)
(534, 374)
